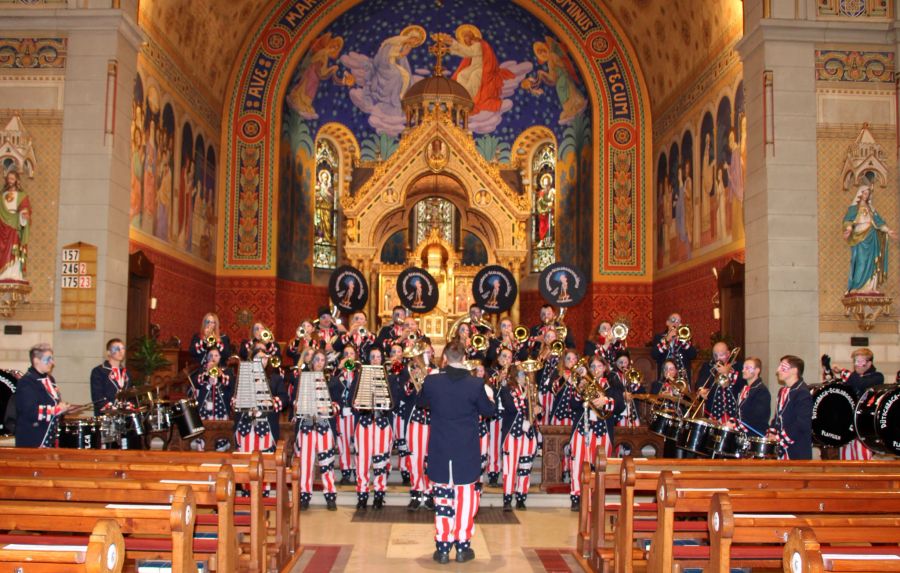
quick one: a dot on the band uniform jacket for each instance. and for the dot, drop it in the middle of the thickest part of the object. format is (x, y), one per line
(389, 334)
(36, 400)
(615, 391)
(754, 404)
(246, 349)
(862, 382)
(106, 383)
(720, 403)
(793, 420)
(456, 400)
(198, 349)
(537, 333)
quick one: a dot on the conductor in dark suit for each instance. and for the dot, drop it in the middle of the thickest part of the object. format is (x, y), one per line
(456, 400)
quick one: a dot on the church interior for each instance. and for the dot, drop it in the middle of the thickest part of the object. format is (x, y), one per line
(727, 162)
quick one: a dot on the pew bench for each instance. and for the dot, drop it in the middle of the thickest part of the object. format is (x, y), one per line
(104, 552)
(803, 554)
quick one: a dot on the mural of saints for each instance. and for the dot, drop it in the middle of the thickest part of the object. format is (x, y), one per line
(561, 74)
(315, 68)
(866, 233)
(15, 227)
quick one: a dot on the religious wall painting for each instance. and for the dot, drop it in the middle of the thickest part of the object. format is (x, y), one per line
(574, 171)
(295, 200)
(662, 177)
(182, 216)
(556, 70)
(315, 67)
(195, 204)
(707, 191)
(209, 211)
(394, 250)
(684, 207)
(165, 179)
(137, 152)
(673, 244)
(727, 185)
(543, 209)
(474, 252)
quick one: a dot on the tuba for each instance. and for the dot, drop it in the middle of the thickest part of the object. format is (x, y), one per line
(418, 370)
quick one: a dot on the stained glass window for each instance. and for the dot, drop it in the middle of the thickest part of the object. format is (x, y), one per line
(543, 208)
(435, 213)
(326, 185)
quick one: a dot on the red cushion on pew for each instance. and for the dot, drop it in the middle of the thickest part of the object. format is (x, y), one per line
(213, 519)
(649, 525)
(737, 552)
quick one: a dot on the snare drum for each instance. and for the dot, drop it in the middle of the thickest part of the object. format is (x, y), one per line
(186, 416)
(726, 442)
(133, 422)
(160, 416)
(110, 430)
(693, 435)
(761, 448)
(80, 434)
(665, 423)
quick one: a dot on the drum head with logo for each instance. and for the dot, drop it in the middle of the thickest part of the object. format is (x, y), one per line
(562, 285)
(878, 419)
(832, 415)
(494, 289)
(418, 291)
(348, 289)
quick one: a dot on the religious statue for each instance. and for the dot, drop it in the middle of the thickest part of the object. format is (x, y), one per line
(15, 226)
(866, 233)
(324, 202)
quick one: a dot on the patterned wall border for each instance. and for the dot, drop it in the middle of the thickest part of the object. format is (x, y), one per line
(157, 57)
(621, 117)
(855, 66)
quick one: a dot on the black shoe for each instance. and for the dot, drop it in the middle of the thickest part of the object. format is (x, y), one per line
(378, 504)
(576, 505)
(304, 505)
(463, 555)
(331, 505)
(413, 505)
(345, 480)
(507, 506)
(441, 557)
(361, 504)
(493, 482)
(521, 505)
(406, 481)
(429, 503)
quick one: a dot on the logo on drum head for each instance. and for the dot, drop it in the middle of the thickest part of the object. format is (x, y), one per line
(562, 285)
(494, 289)
(348, 289)
(418, 291)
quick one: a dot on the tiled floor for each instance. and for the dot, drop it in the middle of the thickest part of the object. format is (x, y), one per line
(540, 543)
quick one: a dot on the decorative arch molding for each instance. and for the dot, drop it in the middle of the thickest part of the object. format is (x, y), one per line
(527, 142)
(620, 129)
(348, 150)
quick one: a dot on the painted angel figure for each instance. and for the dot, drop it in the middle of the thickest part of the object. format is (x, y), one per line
(866, 233)
(15, 227)
(561, 74)
(315, 68)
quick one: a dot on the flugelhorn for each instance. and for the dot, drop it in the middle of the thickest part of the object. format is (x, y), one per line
(620, 331)
(479, 343)
(266, 336)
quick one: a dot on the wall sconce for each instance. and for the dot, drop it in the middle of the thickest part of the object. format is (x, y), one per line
(717, 312)
(153, 303)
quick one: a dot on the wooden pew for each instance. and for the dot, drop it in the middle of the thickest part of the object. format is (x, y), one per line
(175, 521)
(103, 553)
(803, 554)
(217, 497)
(254, 527)
(843, 517)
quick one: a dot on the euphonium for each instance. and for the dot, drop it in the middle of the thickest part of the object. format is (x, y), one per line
(211, 340)
(590, 391)
(266, 336)
(684, 333)
(214, 372)
(479, 342)
(521, 334)
(620, 331)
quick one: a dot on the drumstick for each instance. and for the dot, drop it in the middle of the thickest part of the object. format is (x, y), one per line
(751, 428)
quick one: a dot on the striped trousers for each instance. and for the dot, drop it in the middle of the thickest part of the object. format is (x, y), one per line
(373, 451)
(417, 436)
(345, 442)
(455, 507)
(315, 448)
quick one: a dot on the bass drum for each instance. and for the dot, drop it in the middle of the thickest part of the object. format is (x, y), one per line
(878, 419)
(8, 381)
(833, 413)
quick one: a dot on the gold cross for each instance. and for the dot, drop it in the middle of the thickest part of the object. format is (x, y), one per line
(439, 49)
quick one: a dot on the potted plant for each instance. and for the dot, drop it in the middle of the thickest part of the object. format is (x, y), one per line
(147, 356)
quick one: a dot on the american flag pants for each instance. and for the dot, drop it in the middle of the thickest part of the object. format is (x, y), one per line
(345, 442)
(518, 457)
(584, 448)
(417, 435)
(401, 426)
(373, 450)
(315, 448)
(455, 507)
(855, 450)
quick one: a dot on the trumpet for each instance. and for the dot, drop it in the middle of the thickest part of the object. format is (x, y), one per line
(275, 361)
(266, 336)
(214, 372)
(479, 343)
(557, 347)
(301, 332)
(520, 334)
(363, 332)
(620, 331)
(633, 376)
(684, 333)
(211, 341)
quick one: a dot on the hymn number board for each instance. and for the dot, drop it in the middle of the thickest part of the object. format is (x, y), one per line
(79, 287)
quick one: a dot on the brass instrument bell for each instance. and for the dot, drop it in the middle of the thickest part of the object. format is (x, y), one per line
(557, 348)
(363, 332)
(620, 331)
(472, 365)
(684, 333)
(531, 365)
(562, 331)
(590, 391)
(521, 333)
(349, 365)
(634, 376)
(479, 342)
(214, 372)
(275, 361)
(301, 332)
(211, 341)
(266, 336)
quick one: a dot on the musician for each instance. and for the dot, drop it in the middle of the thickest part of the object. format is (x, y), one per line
(549, 320)
(505, 338)
(39, 405)
(212, 387)
(666, 385)
(669, 345)
(754, 401)
(210, 330)
(602, 343)
(341, 387)
(417, 434)
(563, 395)
(589, 430)
(394, 331)
(497, 378)
(110, 378)
(315, 445)
(464, 334)
(256, 339)
(304, 339)
(519, 438)
(255, 430)
(792, 424)
(716, 382)
(403, 388)
(861, 378)
(619, 380)
(358, 336)
(476, 321)
(327, 330)
(548, 374)
(456, 400)
(374, 438)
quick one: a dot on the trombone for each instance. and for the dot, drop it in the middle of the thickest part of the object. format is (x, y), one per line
(724, 380)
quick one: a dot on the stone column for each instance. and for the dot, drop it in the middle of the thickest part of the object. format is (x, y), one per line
(94, 179)
(780, 208)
